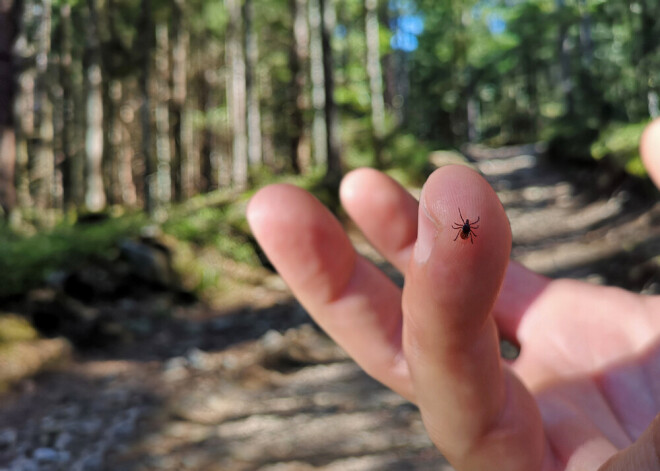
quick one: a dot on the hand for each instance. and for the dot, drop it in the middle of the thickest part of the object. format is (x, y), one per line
(586, 385)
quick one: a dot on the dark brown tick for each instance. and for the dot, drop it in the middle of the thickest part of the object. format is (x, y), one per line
(466, 229)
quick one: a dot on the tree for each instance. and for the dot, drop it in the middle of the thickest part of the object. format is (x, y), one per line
(95, 198)
(146, 43)
(162, 97)
(565, 77)
(334, 165)
(297, 59)
(254, 138)
(71, 183)
(375, 74)
(317, 75)
(181, 134)
(43, 159)
(236, 93)
(8, 30)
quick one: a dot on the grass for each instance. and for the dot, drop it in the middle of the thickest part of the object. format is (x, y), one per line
(25, 262)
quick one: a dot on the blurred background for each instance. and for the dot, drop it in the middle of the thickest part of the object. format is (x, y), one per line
(141, 327)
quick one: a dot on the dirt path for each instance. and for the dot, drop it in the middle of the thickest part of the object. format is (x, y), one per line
(261, 389)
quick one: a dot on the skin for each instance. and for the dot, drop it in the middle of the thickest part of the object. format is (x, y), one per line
(585, 390)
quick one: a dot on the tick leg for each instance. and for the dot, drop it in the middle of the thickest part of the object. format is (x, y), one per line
(479, 217)
(472, 233)
(472, 226)
(456, 226)
(471, 239)
(459, 213)
(457, 234)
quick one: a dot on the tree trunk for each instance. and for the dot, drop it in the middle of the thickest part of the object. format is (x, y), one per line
(24, 125)
(374, 71)
(121, 145)
(649, 39)
(66, 133)
(146, 41)
(254, 137)
(163, 144)
(565, 80)
(8, 31)
(268, 120)
(319, 137)
(182, 141)
(586, 40)
(236, 94)
(206, 102)
(328, 23)
(111, 93)
(43, 167)
(95, 198)
(297, 59)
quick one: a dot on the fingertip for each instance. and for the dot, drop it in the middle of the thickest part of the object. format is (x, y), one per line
(256, 210)
(453, 279)
(353, 184)
(383, 210)
(650, 150)
(351, 175)
(452, 196)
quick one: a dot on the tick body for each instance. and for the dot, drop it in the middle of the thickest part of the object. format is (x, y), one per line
(466, 228)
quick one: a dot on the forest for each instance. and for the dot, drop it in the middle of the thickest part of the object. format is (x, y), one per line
(139, 104)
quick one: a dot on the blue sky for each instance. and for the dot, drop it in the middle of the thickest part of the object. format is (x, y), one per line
(407, 25)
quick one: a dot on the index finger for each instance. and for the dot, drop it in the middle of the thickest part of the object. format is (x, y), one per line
(349, 297)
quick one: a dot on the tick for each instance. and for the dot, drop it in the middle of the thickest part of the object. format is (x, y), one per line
(466, 229)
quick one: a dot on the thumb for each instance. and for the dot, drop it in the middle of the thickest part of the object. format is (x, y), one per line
(475, 410)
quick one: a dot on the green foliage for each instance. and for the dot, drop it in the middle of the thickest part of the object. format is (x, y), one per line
(219, 226)
(619, 142)
(25, 262)
(213, 223)
(409, 159)
(525, 87)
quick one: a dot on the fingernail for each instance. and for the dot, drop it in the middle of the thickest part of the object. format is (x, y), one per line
(426, 234)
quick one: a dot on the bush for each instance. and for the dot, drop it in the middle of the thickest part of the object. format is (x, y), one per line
(25, 262)
(619, 143)
(570, 142)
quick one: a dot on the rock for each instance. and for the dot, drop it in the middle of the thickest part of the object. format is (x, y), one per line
(175, 369)
(297, 347)
(46, 455)
(55, 313)
(198, 359)
(8, 438)
(24, 463)
(19, 360)
(151, 262)
(91, 282)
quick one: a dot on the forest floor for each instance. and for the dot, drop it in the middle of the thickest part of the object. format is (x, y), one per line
(257, 387)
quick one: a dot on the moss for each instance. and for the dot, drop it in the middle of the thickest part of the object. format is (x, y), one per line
(25, 262)
(14, 328)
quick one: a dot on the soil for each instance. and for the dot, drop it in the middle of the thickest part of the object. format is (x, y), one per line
(256, 386)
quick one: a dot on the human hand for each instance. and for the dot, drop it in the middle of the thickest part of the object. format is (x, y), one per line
(587, 382)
